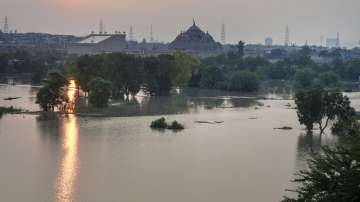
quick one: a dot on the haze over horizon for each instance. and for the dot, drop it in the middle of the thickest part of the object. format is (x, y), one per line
(250, 21)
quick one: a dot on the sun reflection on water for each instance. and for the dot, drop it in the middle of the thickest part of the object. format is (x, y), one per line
(72, 92)
(69, 163)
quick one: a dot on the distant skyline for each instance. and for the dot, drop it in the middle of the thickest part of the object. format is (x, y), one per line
(250, 21)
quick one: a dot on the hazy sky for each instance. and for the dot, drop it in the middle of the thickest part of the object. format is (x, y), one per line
(248, 20)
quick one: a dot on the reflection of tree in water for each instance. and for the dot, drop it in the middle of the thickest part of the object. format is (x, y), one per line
(49, 125)
(187, 102)
(243, 102)
(206, 103)
(309, 145)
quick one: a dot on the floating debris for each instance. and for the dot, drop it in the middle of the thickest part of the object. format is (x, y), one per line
(210, 122)
(11, 98)
(284, 128)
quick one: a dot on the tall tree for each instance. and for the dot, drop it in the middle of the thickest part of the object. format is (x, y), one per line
(318, 106)
(185, 65)
(52, 94)
(100, 91)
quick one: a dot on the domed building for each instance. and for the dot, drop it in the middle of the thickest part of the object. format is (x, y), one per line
(196, 41)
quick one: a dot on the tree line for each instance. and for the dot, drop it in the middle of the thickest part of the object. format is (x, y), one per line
(34, 64)
(124, 75)
(298, 68)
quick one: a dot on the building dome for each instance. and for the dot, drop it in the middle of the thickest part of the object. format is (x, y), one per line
(195, 40)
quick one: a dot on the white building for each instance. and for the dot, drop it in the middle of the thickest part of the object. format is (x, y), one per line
(99, 43)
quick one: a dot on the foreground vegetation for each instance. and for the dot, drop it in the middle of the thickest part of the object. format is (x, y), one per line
(334, 173)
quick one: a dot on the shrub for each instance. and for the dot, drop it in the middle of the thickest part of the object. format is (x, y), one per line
(176, 126)
(159, 124)
(162, 124)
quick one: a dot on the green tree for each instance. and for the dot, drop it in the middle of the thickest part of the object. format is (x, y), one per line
(304, 78)
(275, 72)
(52, 94)
(210, 76)
(87, 68)
(333, 176)
(329, 79)
(245, 81)
(126, 72)
(100, 91)
(159, 74)
(317, 106)
(185, 65)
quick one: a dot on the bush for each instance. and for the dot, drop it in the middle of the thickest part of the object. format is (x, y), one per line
(162, 124)
(159, 124)
(176, 126)
(245, 81)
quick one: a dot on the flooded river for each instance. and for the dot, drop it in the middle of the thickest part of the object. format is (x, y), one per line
(121, 159)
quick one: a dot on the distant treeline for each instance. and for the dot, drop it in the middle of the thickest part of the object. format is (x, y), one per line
(232, 71)
(128, 74)
(157, 75)
(31, 62)
(297, 67)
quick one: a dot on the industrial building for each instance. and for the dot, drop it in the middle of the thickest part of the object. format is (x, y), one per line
(99, 43)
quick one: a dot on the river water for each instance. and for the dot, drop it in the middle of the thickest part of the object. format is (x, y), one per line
(121, 159)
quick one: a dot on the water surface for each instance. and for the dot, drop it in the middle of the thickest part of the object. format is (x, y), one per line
(122, 159)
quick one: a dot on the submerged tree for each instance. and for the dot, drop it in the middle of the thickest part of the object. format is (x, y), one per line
(318, 106)
(52, 94)
(160, 74)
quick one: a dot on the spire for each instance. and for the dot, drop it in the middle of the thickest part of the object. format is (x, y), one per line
(194, 23)
(223, 33)
(151, 34)
(6, 25)
(287, 36)
(338, 40)
(101, 27)
(131, 33)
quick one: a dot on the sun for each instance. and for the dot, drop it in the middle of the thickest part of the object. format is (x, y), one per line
(76, 3)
